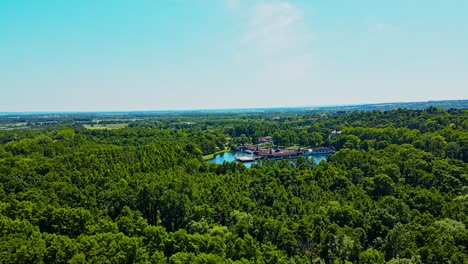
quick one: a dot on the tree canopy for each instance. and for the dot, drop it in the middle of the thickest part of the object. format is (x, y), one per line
(396, 190)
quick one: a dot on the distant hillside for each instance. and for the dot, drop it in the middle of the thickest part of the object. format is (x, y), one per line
(447, 104)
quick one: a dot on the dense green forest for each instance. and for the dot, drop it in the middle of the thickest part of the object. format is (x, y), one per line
(396, 190)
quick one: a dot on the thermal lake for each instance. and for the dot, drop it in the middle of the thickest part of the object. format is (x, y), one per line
(231, 157)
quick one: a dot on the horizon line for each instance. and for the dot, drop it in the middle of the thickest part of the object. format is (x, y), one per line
(222, 109)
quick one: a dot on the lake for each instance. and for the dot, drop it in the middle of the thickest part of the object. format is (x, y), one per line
(231, 157)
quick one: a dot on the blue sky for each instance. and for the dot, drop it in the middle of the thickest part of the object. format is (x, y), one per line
(88, 55)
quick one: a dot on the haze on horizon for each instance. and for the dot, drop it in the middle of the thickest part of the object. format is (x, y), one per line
(86, 55)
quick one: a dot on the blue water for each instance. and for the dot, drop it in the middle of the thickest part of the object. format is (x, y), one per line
(231, 156)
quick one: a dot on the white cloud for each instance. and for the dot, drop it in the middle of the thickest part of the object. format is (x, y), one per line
(379, 27)
(275, 37)
(233, 4)
(273, 25)
(274, 53)
(375, 25)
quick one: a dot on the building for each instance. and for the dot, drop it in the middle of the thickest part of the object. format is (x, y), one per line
(335, 133)
(266, 139)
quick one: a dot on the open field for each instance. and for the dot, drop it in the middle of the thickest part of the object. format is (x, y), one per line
(105, 126)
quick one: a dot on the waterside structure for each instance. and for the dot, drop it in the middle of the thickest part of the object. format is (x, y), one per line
(279, 153)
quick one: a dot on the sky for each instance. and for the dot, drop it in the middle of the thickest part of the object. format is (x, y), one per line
(115, 55)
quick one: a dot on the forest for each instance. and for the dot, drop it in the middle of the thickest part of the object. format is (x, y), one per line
(395, 191)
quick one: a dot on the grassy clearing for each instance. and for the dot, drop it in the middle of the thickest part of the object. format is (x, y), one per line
(210, 156)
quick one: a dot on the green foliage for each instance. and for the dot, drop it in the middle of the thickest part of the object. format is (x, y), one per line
(395, 191)
(371, 256)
